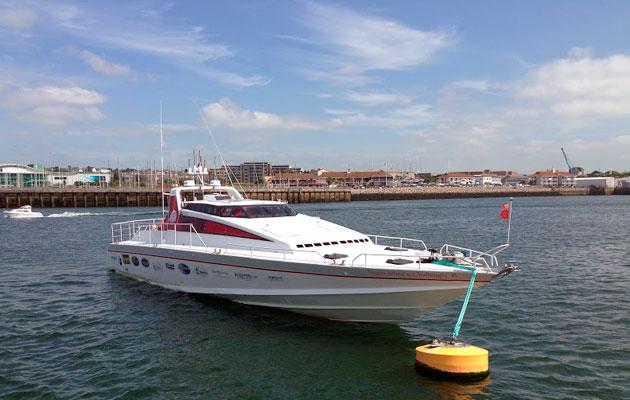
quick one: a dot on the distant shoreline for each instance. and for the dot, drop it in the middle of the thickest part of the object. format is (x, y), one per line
(437, 192)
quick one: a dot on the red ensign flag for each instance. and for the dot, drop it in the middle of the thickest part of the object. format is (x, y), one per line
(505, 211)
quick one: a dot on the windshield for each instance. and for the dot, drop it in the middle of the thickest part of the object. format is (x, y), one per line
(253, 211)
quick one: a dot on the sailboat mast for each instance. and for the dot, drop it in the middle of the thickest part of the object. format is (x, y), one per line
(162, 161)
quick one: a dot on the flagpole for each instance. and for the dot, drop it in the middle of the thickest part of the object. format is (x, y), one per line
(509, 221)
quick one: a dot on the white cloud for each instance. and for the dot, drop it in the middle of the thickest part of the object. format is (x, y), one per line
(227, 114)
(580, 87)
(187, 47)
(229, 78)
(421, 111)
(479, 85)
(99, 64)
(60, 114)
(72, 95)
(19, 18)
(376, 98)
(374, 43)
(55, 105)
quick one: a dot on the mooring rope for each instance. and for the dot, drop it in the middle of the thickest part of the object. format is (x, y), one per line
(458, 324)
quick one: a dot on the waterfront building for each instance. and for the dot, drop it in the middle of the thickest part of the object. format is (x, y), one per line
(297, 179)
(517, 180)
(554, 178)
(97, 178)
(22, 176)
(358, 178)
(254, 173)
(603, 182)
(474, 178)
(623, 182)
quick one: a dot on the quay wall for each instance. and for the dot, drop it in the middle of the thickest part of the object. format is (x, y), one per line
(77, 197)
(433, 192)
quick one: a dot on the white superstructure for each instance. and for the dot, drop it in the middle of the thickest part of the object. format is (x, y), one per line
(213, 241)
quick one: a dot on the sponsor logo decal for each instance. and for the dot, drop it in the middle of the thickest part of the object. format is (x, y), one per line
(184, 268)
(157, 267)
(220, 274)
(275, 278)
(170, 266)
(200, 271)
(245, 277)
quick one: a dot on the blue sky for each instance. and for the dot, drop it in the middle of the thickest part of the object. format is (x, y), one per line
(434, 86)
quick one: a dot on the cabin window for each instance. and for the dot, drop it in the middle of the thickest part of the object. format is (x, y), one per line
(299, 246)
(318, 244)
(253, 211)
(308, 245)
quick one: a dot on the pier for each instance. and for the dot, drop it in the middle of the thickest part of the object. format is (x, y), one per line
(110, 197)
(117, 197)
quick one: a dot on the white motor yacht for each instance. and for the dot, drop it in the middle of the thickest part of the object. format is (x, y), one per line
(213, 241)
(22, 212)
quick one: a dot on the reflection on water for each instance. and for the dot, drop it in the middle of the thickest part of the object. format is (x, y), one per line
(452, 390)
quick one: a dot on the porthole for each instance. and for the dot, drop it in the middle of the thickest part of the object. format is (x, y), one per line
(135, 261)
(184, 269)
(145, 262)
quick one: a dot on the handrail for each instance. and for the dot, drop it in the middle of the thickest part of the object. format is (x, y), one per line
(476, 255)
(128, 230)
(271, 250)
(400, 239)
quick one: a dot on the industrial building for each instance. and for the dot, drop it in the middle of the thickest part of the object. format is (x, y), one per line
(603, 182)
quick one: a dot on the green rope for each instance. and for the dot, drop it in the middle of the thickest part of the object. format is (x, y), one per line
(458, 325)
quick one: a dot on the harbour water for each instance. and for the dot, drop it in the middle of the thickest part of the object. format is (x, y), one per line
(69, 328)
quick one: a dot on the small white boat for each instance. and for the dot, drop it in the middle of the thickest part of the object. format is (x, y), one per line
(213, 241)
(23, 212)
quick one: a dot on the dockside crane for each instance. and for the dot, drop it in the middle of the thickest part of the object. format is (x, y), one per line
(572, 170)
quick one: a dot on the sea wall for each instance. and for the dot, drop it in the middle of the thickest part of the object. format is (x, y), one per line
(435, 192)
(114, 197)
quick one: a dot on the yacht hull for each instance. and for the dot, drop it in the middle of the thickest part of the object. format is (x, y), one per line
(383, 295)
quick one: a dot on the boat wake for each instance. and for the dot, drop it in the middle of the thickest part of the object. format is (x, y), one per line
(68, 214)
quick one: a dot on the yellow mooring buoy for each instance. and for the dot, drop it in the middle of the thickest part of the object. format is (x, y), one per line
(452, 360)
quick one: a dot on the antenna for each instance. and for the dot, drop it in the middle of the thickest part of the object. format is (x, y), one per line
(216, 146)
(162, 161)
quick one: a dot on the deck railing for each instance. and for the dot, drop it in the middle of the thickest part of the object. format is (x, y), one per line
(400, 241)
(155, 232)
